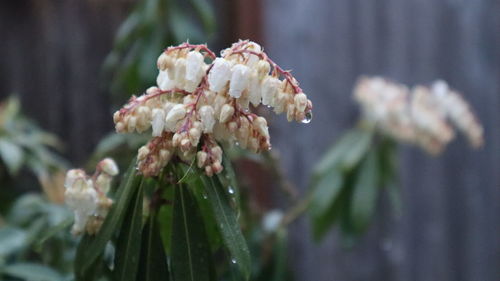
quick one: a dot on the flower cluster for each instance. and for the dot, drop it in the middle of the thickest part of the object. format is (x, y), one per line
(421, 115)
(86, 196)
(201, 100)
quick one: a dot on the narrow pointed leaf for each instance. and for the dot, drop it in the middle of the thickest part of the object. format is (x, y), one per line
(228, 225)
(31, 272)
(91, 247)
(325, 192)
(190, 249)
(365, 191)
(128, 246)
(153, 264)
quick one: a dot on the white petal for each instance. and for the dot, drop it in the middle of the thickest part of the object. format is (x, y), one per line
(239, 80)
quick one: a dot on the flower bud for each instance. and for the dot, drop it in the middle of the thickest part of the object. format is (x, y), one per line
(142, 153)
(300, 101)
(226, 113)
(165, 61)
(158, 122)
(164, 82)
(219, 74)
(201, 158)
(239, 80)
(216, 167)
(270, 86)
(263, 68)
(194, 136)
(206, 113)
(108, 166)
(175, 114)
(260, 124)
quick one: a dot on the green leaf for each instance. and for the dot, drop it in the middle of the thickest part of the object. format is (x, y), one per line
(127, 246)
(53, 231)
(11, 240)
(190, 249)
(336, 153)
(206, 14)
(228, 225)
(365, 191)
(357, 149)
(325, 192)
(11, 154)
(324, 221)
(153, 264)
(91, 247)
(31, 272)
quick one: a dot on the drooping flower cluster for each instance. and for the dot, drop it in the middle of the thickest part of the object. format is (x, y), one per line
(423, 115)
(87, 196)
(197, 104)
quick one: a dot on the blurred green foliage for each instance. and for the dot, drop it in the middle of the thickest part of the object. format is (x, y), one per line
(348, 181)
(152, 26)
(35, 243)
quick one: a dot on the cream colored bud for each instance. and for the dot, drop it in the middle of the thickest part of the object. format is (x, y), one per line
(208, 171)
(270, 86)
(165, 155)
(263, 68)
(165, 61)
(206, 113)
(109, 166)
(132, 122)
(120, 127)
(158, 122)
(175, 114)
(232, 126)
(239, 80)
(217, 167)
(142, 153)
(216, 152)
(201, 158)
(116, 116)
(260, 124)
(194, 136)
(226, 113)
(290, 112)
(300, 101)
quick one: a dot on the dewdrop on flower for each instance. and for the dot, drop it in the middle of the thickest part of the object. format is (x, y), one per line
(86, 196)
(420, 116)
(196, 106)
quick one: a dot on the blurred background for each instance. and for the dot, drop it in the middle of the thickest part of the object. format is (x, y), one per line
(72, 63)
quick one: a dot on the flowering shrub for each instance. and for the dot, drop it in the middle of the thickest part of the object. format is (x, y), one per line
(347, 181)
(421, 115)
(166, 215)
(197, 105)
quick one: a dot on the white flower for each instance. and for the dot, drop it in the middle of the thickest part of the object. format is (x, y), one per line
(179, 73)
(175, 114)
(219, 74)
(226, 113)
(109, 166)
(207, 118)
(260, 124)
(163, 81)
(255, 92)
(270, 86)
(194, 66)
(239, 80)
(158, 122)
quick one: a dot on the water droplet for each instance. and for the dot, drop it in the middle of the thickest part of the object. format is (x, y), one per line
(237, 143)
(233, 261)
(205, 196)
(307, 119)
(230, 189)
